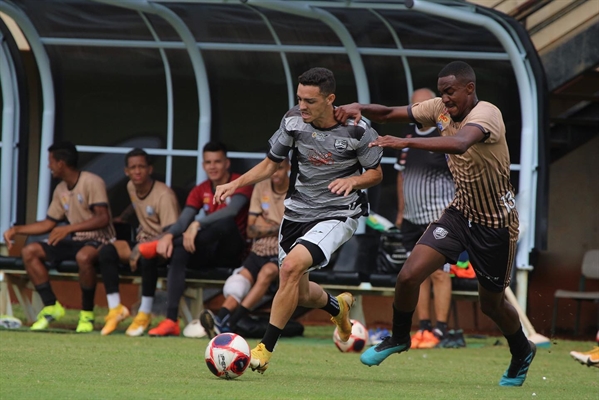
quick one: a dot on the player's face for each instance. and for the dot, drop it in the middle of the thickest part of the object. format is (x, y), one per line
(56, 167)
(314, 107)
(138, 170)
(281, 175)
(456, 96)
(216, 165)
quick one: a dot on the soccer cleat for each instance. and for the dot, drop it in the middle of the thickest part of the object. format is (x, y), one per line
(516, 372)
(453, 340)
(86, 322)
(210, 323)
(139, 325)
(416, 339)
(115, 315)
(167, 327)
(260, 358)
(346, 301)
(47, 315)
(589, 358)
(428, 340)
(377, 354)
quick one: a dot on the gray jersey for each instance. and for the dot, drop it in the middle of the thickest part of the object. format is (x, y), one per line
(323, 155)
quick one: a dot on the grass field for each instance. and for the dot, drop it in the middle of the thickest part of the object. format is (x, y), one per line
(65, 365)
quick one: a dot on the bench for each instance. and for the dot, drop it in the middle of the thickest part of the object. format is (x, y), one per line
(349, 271)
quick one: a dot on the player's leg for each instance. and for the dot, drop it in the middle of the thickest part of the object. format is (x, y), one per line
(34, 255)
(149, 279)
(424, 334)
(109, 258)
(442, 300)
(87, 259)
(175, 288)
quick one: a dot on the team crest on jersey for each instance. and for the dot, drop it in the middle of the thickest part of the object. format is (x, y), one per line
(340, 145)
(80, 198)
(442, 121)
(149, 211)
(319, 136)
(440, 233)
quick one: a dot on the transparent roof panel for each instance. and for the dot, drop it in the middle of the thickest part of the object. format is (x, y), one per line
(88, 20)
(297, 30)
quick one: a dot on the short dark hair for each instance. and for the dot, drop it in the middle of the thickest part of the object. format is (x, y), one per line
(215, 146)
(138, 152)
(65, 151)
(321, 77)
(461, 70)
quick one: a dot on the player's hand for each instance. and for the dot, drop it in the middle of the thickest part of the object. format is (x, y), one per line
(189, 237)
(223, 191)
(165, 246)
(392, 142)
(8, 235)
(343, 113)
(57, 234)
(342, 186)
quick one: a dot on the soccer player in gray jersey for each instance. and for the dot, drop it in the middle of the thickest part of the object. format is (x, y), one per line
(323, 205)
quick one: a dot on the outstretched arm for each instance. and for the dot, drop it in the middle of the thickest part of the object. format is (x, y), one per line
(260, 172)
(374, 112)
(35, 228)
(369, 178)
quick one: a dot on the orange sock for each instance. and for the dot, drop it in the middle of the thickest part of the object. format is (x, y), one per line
(148, 249)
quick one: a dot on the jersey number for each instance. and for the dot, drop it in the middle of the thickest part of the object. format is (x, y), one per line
(509, 201)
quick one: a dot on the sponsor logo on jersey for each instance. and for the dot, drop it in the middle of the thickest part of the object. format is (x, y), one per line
(440, 233)
(80, 198)
(150, 211)
(442, 121)
(319, 136)
(317, 158)
(340, 145)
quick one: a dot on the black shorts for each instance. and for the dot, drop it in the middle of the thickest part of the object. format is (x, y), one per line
(65, 250)
(491, 250)
(410, 234)
(254, 263)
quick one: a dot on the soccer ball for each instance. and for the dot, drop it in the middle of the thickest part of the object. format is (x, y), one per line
(228, 355)
(357, 340)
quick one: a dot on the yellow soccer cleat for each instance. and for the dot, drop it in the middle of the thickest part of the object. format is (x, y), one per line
(86, 322)
(346, 301)
(260, 358)
(47, 315)
(115, 315)
(140, 323)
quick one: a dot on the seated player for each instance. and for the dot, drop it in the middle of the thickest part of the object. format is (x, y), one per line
(216, 239)
(81, 200)
(248, 284)
(156, 208)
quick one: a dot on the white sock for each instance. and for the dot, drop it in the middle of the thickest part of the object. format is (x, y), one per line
(146, 304)
(114, 299)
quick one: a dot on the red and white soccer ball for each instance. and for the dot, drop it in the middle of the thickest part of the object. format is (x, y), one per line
(228, 355)
(356, 342)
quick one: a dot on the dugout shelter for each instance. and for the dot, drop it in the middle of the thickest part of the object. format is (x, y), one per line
(169, 76)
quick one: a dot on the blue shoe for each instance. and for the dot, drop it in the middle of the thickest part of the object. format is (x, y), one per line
(516, 372)
(377, 354)
(210, 323)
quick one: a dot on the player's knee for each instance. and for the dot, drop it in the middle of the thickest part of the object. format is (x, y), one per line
(30, 252)
(408, 278)
(108, 255)
(85, 258)
(237, 286)
(268, 273)
(290, 271)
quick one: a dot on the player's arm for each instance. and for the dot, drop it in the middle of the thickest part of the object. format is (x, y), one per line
(35, 228)
(458, 144)
(99, 220)
(260, 172)
(374, 112)
(370, 177)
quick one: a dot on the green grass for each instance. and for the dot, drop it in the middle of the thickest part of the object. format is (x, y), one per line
(68, 365)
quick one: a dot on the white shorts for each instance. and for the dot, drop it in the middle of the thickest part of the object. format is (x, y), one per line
(326, 236)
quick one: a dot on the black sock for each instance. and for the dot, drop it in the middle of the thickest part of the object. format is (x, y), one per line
(176, 282)
(426, 325)
(402, 322)
(46, 293)
(442, 327)
(87, 298)
(519, 346)
(271, 336)
(222, 313)
(149, 276)
(108, 262)
(239, 313)
(332, 306)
